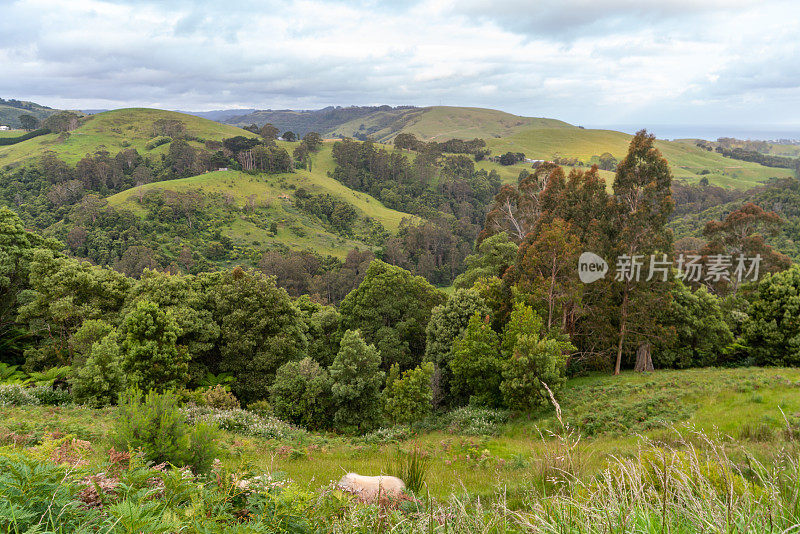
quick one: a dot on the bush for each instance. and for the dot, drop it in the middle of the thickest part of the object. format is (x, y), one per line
(48, 396)
(773, 337)
(151, 357)
(100, 380)
(535, 363)
(154, 424)
(243, 422)
(408, 399)
(475, 421)
(356, 383)
(301, 394)
(158, 141)
(383, 436)
(477, 364)
(16, 395)
(220, 398)
(261, 408)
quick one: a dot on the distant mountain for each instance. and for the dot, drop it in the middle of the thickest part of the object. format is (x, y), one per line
(220, 115)
(11, 109)
(324, 121)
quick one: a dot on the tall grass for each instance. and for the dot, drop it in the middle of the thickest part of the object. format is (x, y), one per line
(411, 467)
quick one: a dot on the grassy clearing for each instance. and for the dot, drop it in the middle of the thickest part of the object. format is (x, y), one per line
(12, 133)
(113, 131)
(743, 408)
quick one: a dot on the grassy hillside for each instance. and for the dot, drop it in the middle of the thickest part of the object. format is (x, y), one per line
(113, 131)
(687, 161)
(10, 110)
(274, 195)
(12, 133)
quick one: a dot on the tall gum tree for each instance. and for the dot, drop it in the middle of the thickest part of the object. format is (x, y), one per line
(642, 203)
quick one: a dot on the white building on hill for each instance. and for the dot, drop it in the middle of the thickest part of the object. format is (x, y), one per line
(3, 127)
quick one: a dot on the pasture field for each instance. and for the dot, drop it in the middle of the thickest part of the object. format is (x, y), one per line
(481, 453)
(114, 131)
(12, 133)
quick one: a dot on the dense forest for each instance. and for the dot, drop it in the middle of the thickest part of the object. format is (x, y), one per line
(518, 323)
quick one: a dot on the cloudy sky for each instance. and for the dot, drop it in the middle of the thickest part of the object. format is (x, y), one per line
(732, 62)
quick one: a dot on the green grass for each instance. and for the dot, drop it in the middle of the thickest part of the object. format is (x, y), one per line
(275, 194)
(12, 133)
(612, 414)
(444, 122)
(686, 160)
(113, 131)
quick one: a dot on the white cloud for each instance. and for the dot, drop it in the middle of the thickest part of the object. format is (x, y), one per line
(580, 60)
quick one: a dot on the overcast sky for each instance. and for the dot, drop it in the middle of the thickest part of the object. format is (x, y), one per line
(584, 61)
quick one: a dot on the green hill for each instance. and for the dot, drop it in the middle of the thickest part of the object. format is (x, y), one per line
(113, 131)
(11, 109)
(274, 198)
(687, 161)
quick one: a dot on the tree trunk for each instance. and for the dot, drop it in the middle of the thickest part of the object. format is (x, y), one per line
(623, 320)
(644, 361)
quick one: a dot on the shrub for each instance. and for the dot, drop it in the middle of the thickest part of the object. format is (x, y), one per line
(383, 436)
(158, 141)
(243, 422)
(48, 396)
(16, 395)
(477, 364)
(772, 337)
(99, 382)
(220, 398)
(301, 394)
(408, 398)
(535, 362)
(356, 383)
(150, 356)
(474, 421)
(261, 408)
(154, 424)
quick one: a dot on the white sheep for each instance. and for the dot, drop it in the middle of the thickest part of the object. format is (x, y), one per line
(369, 488)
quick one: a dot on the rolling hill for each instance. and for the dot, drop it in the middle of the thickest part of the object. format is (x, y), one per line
(113, 131)
(537, 138)
(11, 109)
(274, 197)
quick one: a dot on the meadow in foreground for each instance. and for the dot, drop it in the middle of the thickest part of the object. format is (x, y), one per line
(675, 466)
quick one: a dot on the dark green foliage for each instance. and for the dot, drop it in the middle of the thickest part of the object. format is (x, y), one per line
(494, 255)
(391, 308)
(408, 397)
(301, 394)
(772, 330)
(477, 365)
(151, 359)
(448, 322)
(101, 379)
(357, 381)
(260, 330)
(65, 294)
(701, 333)
(4, 141)
(154, 424)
